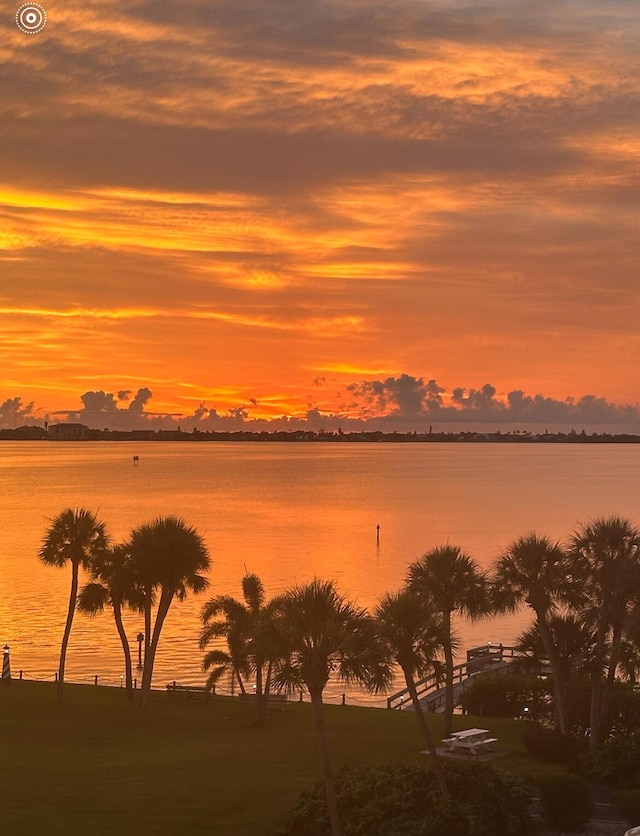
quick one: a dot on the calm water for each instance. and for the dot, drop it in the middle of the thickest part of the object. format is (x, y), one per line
(288, 512)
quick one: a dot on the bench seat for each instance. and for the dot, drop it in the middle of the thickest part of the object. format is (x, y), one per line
(273, 700)
(187, 691)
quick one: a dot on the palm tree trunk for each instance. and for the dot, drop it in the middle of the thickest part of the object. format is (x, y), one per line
(67, 628)
(128, 674)
(261, 700)
(267, 682)
(597, 686)
(236, 673)
(149, 659)
(559, 679)
(448, 662)
(325, 763)
(607, 687)
(147, 620)
(417, 707)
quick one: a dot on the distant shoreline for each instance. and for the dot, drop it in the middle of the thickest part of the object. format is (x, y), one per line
(79, 433)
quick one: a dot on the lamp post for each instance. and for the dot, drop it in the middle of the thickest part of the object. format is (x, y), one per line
(140, 640)
(6, 666)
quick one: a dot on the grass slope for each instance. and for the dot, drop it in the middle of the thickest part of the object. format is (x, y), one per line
(96, 764)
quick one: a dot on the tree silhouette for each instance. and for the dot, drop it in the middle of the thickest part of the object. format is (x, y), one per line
(113, 585)
(413, 635)
(324, 635)
(610, 550)
(250, 632)
(535, 571)
(167, 558)
(451, 582)
(75, 536)
(574, 641)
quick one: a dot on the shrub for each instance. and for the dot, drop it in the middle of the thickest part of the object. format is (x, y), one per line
(396, 800)
(616, 762)
(551, 746)
(499, 799)
(505, 695)
(625, 709)
(566, 802)
(628, 803)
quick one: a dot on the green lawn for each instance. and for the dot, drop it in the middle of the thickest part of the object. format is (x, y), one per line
(99, 765)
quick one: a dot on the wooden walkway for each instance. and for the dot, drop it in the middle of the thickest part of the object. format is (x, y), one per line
(490, 658)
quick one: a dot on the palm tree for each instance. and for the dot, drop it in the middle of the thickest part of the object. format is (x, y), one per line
(167, 557)
(250, 632)
(413, 635)
(609, 548)
(574, 641)
(113, 585)
(325, 635)
(218, 662)
(535, 571)
(75, 536)
(451, 582)
(572, 638)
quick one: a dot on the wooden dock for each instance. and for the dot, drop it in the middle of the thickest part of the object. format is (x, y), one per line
(490, 658)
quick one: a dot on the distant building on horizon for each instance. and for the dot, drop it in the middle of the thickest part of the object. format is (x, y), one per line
(68, 432)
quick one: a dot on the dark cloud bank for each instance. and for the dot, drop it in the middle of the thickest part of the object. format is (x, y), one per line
(403, 403)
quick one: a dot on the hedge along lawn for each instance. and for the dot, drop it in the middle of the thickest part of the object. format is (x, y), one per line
(99, 765)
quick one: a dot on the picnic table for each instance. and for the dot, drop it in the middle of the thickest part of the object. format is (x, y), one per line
(470, 740)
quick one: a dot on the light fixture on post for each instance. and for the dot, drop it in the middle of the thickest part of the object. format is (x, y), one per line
(6, 666)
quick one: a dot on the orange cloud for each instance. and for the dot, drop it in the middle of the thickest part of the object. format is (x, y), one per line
(237, 201)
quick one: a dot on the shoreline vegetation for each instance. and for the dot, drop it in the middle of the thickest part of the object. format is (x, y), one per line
(80, 432)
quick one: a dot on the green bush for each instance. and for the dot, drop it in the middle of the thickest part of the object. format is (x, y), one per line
(628, 803)
(551, 746)
(616, 762)
(506, 695)
(566, 802)
(396, 800)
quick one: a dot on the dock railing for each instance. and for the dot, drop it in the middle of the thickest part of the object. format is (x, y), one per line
(482, 659)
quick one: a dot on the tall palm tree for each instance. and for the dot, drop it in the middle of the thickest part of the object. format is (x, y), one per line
(610, 549)
(168, 557)
(249, 630)
(535, 571)
(451, 582)
(113, 585)
(413, 635)
(325, 635)
(77, 537)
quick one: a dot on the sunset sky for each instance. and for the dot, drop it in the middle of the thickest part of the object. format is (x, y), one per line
(227, 211)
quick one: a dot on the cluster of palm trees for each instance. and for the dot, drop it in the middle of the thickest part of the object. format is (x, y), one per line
(303, 637)
(589, 586)
(161, 560)
(585, 596)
